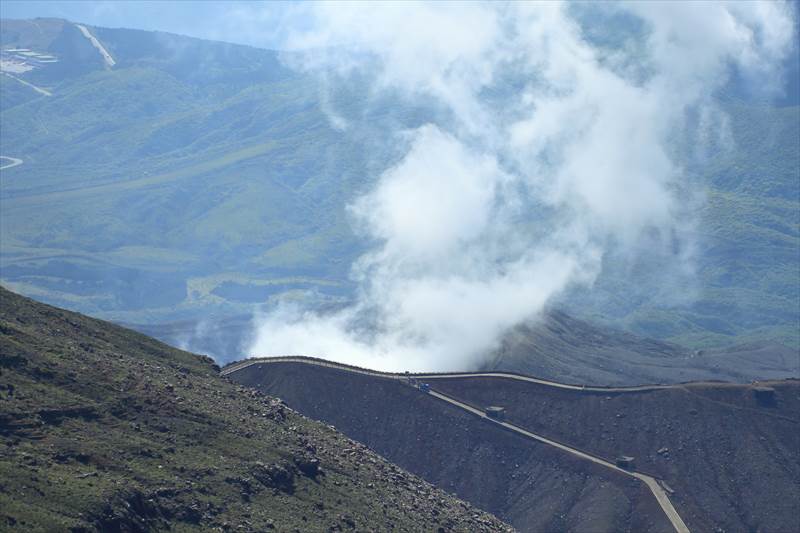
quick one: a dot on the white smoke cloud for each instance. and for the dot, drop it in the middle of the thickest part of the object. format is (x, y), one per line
(551, 154)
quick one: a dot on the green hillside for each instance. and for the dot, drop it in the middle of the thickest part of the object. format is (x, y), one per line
(158, 187)
(196, 179)
(104, 429)
(746, 285)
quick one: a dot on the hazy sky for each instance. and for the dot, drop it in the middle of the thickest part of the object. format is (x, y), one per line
(261, 24)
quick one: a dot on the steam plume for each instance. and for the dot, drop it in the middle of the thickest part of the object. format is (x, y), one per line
(555, 148)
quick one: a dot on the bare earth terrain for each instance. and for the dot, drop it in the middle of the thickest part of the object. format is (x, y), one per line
(728, 459)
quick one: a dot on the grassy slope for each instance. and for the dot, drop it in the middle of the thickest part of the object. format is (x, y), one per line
(745, 286)
(103, 428)
(200, 177)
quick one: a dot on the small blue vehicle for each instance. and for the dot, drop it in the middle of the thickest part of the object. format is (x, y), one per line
(424, 387)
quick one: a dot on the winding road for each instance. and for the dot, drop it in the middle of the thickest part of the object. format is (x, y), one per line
(651, 482)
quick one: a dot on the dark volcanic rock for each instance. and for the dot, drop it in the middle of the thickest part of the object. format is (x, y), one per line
(534, 487)
(733, 462)
(275, 476)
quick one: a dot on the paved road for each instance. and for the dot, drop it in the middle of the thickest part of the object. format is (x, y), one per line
(556, 384)
(14, 162)
(444, 375)
(652, 483)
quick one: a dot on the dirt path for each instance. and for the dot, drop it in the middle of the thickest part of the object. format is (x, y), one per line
(652, 483)
(14, 162)
(32, 86)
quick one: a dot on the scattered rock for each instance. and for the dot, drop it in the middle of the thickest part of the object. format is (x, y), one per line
(275, 476)
(309, 466)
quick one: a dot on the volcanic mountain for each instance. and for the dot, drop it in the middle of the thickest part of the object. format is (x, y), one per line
(725, 456)
(560, 347)
(191, 181)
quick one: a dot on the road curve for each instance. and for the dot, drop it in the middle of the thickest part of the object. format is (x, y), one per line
(14, 162)
(531, 379)
(439, 375)
(651, 482)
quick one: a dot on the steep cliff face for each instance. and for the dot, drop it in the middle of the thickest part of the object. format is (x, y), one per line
(104, 429)
(728, 453)
(532, 486)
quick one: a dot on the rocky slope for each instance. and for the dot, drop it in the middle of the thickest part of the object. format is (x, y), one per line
(733, 460)
(104, 429)
(534, 487)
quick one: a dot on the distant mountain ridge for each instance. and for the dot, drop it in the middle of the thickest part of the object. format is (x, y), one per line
(554, 346)
(194, 180)
(563, 348)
